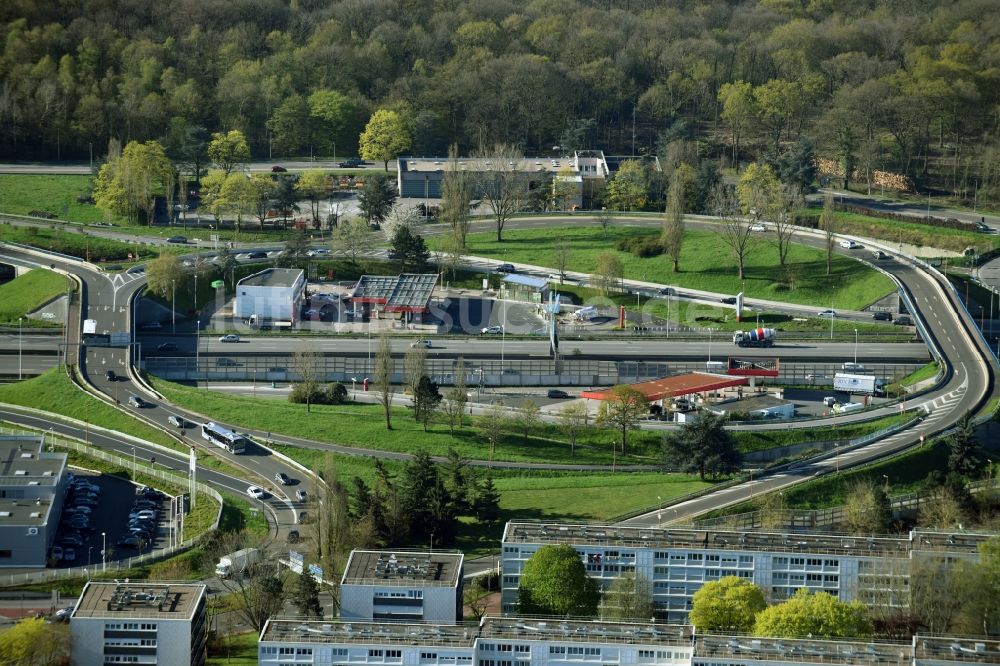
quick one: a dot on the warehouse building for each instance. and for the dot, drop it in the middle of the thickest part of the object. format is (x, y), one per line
(402, 586)
(32, 488)
(678, 561)
(140, 623)
(273, 295)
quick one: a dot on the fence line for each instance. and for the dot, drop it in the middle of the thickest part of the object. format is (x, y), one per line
(44, 575)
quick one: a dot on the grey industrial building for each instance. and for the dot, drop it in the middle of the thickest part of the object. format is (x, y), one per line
(274, 294)
(423, 586)
(32, 488)
(678, 561)
(140, 623)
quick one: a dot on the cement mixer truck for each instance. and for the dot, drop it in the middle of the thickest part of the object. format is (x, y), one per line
(755, 337)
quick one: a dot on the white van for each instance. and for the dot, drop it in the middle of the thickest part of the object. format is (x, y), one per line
(850, 365)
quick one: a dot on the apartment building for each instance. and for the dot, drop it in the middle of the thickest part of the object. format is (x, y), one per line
(32, 488)
(139, 623)
(874, 570)
(505, 641)
(406, 586)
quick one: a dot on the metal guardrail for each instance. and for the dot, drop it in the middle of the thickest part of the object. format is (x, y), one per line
(45, 575)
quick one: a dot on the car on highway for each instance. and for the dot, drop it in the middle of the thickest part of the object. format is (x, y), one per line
(879, 254)
(301, 495)
(282, 478)
(176, 421)
(557, 393)
(668, 291)
(63, 614)
(136, 270)
(256, 492)
(318, 252)
(849, 245)
(277, 168)
(166, 346)
(351, 163)
(422, 342)
(506, 268)
(136, 401)
(180, 240)
(492, 330)
(257, 254)
(231, 337)
(110, 375)
(903, 320)
(882, 316)
(758, 227)
(728, 300)
(826, 313)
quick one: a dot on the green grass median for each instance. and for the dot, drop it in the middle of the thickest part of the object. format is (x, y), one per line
(27, 293)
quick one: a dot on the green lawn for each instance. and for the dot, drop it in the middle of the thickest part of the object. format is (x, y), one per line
(28, 292)
(234, 650)
(705, 264)
(53, 391)
(82, 246)
(768, 439)
(21, 193)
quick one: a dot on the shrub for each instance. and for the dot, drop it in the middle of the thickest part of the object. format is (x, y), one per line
(641, 246)
(336, 394)
(312, 393)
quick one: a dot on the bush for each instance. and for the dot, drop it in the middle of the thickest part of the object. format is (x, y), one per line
(307, 393)
(336, 394)
(641, 246)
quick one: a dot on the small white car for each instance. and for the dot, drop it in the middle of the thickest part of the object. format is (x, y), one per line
(423, 342)
(492, 330)
(758, 227)
(232, 337)
(300, 495)
(256, 492)
(826, 313)
(849, 245)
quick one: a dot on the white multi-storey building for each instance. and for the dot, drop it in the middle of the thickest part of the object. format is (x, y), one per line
(32, 488)
(504, 641)
(139, 623)
(423, 586)
(274, 294)
(677, 562)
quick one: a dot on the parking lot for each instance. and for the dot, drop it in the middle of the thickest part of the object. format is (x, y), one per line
(96, 512)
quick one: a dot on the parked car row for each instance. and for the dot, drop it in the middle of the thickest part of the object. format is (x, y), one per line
(75, 525)
(143, 519)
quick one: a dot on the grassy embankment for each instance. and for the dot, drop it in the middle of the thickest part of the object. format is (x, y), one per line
(705, 264)
(27, 293)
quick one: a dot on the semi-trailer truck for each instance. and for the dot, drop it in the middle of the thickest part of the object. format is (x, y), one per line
(238, 562)
(852, 383)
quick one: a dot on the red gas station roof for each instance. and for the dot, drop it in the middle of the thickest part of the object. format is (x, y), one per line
(670, 387)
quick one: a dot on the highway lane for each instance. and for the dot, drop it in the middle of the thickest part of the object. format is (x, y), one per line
(30, 364)
(105, 298)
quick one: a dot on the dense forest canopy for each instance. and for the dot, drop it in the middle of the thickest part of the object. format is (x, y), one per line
(909, 86)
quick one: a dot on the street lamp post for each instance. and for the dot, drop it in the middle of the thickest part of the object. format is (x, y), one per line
(104, 551)
(855, 347)
(133, 461)
(90, 549)
(503, 331)
(19, 335)
(173, 306)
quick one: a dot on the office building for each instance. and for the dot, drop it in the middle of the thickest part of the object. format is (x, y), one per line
(506, 641)
(678, 561)
(271, 296)
(139, 623)
(402, 586)
(32, 489)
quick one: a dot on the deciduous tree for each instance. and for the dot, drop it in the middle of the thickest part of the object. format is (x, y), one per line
(622, 411)
(228, 151)
(628, 189)
(527, 418)
(306, 595)
(502, 182)
(818, 615)
(34, 642)
(630, 597)
(672, 233)
(573, 421)
(609, 273)
(733, 228)
(493, 425)
(385, 137)
(164, 273)
(312, 186)
(730, 604)
(384, 368)
(827, 223)
(354, 237)
(554, 582)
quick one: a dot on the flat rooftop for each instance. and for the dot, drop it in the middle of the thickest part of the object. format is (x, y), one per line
(672, 387)
(803, 650)
(161, 601)
(29, 512)
(741, 540)
(273, 277)
(551, 165)
(949, 649)
(407, 292)
(23, 461)
(393, 567)
(491, 628)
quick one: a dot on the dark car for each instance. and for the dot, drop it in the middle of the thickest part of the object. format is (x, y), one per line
(166, 346)
(882, 316)
(557, 393)
(277, 168)
(111, 376)
(351, 162)
(293, 536)
(177, 239)
(903, 320)
(258, 254)
(129, 542)
(151, 326)
(729, 300)
(506, 268)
